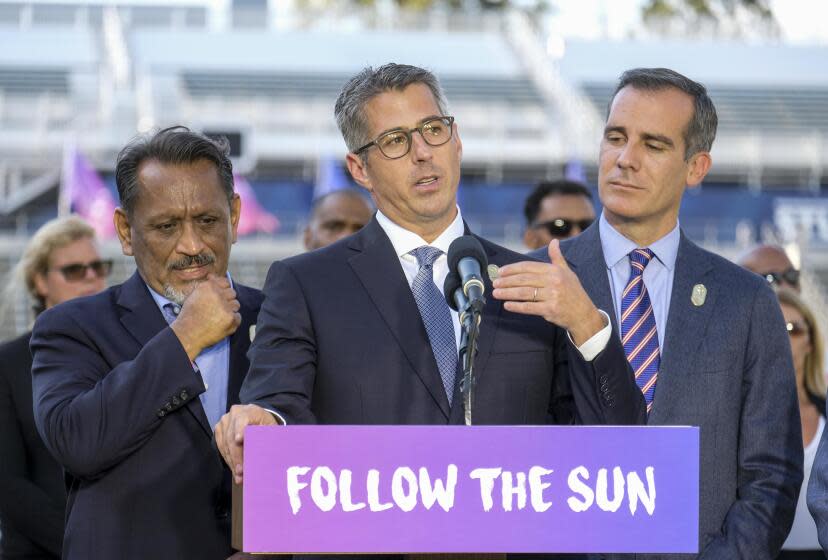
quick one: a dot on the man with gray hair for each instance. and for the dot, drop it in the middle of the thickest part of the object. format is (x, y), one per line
(705, 337)
(360, 333)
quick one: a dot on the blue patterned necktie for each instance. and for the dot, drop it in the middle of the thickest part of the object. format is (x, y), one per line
(638, 327)
(436, 316)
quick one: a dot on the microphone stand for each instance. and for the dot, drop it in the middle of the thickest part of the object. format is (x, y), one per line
(470, 329)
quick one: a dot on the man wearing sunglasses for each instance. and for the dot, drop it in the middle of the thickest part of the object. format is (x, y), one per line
(359, 332)
(557, 210)
(128, 384)
(772, 263)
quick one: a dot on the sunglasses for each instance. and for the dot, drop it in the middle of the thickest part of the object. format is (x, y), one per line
(76, 272)
(796, 329)
(561, 227)
(790, 277)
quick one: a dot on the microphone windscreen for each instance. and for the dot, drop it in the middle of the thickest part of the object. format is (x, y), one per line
(466, 246)
(451, 285)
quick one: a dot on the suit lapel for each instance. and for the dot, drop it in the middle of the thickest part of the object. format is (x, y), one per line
(239, 344)
(377, 266)
(586, 258)
(686, 323)
(143, 320)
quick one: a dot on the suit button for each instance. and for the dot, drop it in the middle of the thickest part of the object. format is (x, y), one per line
(603, 380)
(184, 395)
(162, 413)
(175, 401)
(168, 406)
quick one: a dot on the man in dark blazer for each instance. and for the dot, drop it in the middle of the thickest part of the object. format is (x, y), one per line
(128, 383)
(342, 338)
(725, 360)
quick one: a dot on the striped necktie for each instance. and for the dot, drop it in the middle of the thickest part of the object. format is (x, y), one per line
(436, 316)
(638, 327)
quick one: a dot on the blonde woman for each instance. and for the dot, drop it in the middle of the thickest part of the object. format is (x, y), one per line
(61, 262)
(808, 356)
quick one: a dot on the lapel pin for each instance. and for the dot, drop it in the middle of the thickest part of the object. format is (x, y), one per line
(252, 332)
(493, 271)
(699, 295)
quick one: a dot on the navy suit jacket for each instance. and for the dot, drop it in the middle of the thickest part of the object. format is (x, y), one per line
(725, 367)
(340, 341)
(116, 402)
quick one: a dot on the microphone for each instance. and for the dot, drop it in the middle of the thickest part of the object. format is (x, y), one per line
(456, 299)
(466, 258)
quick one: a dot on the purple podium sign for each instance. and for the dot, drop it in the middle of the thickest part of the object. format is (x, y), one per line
(454, 489)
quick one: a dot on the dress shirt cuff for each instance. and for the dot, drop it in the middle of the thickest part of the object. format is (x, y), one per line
(595, 345)
(280, 419)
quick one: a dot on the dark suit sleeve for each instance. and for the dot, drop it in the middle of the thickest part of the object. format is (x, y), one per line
(604, 389)
(283, 354)
(91, 415)
(770, 443)
(818, 490)
(25, 506)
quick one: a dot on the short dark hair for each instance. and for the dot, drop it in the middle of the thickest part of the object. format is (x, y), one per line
(174, 145)
(546, 188)
(347, 192)
(701, 130)
(349, 109)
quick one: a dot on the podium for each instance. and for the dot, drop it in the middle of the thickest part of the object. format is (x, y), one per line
(434, 492)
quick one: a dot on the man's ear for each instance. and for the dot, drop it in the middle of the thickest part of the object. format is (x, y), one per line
(357, 167)
(698, 167)
(235, 214)
(124, 231)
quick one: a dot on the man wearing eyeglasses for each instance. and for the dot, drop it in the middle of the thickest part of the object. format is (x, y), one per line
(556, 210)
(128, 384)
(772, 263)
(359, 332)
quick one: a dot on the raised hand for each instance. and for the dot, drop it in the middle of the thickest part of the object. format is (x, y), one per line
(209, 314)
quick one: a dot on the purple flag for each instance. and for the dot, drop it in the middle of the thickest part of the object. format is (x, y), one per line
(84, 192)
(253, 217)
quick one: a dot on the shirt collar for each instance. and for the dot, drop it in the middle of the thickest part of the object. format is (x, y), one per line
(617, 247)
(405, 241)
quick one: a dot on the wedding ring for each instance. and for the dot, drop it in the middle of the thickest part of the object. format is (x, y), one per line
(535, 296)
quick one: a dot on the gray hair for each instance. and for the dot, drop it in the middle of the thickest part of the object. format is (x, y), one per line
(701, 130)
(367, 84)
(171, 146)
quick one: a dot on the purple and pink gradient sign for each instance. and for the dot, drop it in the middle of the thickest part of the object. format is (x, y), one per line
(453, 489)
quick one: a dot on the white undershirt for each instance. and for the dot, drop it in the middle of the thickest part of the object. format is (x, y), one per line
(803, 535)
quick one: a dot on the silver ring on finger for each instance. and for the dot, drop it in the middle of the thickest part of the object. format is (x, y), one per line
(535, 296)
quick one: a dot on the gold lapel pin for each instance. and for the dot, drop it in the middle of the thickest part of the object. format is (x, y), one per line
(252, 332)
(699, 295)
(493, 271)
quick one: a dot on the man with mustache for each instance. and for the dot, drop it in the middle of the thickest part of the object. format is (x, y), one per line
(128, 383)
(359, 332)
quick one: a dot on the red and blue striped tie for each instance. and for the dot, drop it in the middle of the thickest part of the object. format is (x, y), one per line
(638, 327)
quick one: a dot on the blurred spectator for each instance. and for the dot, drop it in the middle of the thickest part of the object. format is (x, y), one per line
(773, 263)
(808, 354)
(334, 216)
(556, 210)
(60, 262)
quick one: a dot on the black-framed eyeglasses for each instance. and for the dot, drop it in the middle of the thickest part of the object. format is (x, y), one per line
(394, 144)
(76, 272)
(789, 276)
(561, 227)
(796, 328)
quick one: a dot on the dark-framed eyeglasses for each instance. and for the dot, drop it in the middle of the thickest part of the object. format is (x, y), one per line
(394, 144)
(796, 328)
(789, 276)
(75, 272)
(561, 227)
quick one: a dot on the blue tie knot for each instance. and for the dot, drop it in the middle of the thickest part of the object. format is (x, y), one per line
(639, 258)
(426, 255)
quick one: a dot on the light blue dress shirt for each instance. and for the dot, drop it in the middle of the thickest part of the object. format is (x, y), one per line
(213, 364)
(658, 276)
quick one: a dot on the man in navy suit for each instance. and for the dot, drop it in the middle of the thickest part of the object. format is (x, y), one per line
(359, 333)
(128, 383)
(715, 349)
